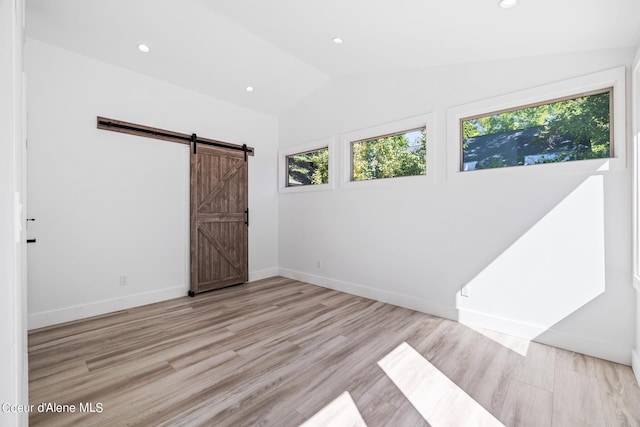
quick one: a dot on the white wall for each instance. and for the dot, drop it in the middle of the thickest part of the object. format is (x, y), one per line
(13, 356)
(108, 204)
(635, 359)
(526, 242)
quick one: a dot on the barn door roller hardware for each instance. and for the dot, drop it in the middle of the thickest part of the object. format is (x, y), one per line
(167, 135)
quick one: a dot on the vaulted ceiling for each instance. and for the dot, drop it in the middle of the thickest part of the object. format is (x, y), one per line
(284, 49)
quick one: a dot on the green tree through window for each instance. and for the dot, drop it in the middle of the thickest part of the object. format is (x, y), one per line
(400, 154)
(309, 168)
(568, 129)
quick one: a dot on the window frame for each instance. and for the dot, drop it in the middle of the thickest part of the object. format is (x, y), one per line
(283, 169)
(608, 90)
(581, 86)
(426, 121)
(287, 179)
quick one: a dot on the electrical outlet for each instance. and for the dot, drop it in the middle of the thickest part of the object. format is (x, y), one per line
(124, 280)
(464, 290)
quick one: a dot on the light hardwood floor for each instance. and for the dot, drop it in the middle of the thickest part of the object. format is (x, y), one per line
(277, 351)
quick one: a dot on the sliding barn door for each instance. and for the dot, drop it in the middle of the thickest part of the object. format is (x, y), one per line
(219, 218)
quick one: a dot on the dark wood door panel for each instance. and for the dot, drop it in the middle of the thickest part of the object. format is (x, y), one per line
(219, 233)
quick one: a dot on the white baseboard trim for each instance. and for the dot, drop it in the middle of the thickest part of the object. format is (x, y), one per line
(601, 349)
(400, 300)
(68, 314)
(606, 350)
(263, 274)
(503, 325)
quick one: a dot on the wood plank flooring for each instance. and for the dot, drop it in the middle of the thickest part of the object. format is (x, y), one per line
(277, 351)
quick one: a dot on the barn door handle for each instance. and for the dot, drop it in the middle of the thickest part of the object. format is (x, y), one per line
(31, 240)
(246, 216)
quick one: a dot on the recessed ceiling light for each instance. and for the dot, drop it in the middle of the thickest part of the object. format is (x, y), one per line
(337, 40)
(249, 89)
(506, 4)
(143, 48)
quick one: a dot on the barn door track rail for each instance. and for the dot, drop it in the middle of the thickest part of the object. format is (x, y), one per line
(167, 135)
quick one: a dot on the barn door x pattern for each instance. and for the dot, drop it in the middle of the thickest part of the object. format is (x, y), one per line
(219, 218)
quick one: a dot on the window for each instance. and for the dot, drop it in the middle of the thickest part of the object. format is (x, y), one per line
(560, 130)
(308, 168)
(401, 149)
(574, 125)
(601, 147)
(398, 154)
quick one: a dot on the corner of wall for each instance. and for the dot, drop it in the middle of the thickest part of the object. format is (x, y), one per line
(263, 274)
(635, 364)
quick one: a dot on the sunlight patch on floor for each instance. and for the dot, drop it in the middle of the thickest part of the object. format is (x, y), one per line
(438, 399)
(341, 412)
